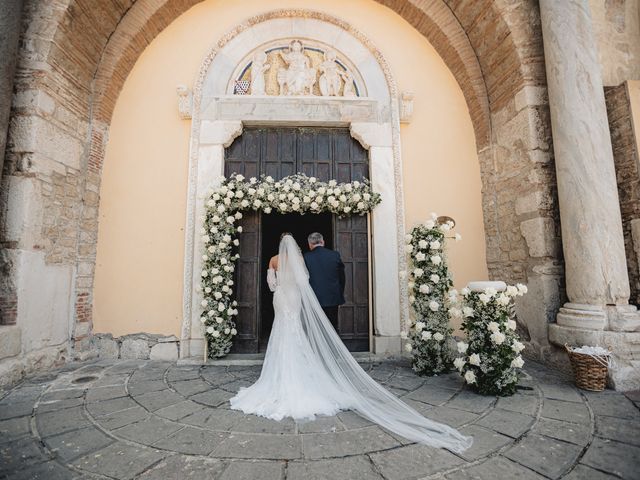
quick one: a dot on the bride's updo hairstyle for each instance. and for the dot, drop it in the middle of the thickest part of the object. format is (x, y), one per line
(284, 234)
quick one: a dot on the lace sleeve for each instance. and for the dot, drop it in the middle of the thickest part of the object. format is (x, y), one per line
(271, 279)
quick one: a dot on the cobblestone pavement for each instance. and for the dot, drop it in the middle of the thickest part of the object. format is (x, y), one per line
(154, 420)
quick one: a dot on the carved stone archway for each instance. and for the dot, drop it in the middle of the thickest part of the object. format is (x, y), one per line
(218, 118)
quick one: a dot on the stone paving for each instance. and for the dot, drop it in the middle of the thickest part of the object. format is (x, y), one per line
(155, 420)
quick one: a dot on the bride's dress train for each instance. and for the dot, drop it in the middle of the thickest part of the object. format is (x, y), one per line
(308, 371)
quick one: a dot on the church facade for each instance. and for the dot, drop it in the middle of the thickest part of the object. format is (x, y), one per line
(519, 120)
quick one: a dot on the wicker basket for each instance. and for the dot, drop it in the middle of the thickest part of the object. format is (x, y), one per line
(589, 372)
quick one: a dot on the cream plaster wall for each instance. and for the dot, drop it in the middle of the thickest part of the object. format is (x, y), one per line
(139, 273)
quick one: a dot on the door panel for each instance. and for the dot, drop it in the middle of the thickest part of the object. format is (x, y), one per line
(326, 153)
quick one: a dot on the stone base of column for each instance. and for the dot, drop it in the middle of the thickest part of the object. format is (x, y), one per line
(625, 375)
(577, 315)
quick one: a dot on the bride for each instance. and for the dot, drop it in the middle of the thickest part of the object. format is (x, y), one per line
(308, 371)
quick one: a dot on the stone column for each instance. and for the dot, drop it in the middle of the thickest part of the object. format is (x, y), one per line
(10, 15)
(596, 272)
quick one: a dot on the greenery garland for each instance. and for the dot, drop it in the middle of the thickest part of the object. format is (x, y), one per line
(430, 296)
(491, 358)
(224, 205)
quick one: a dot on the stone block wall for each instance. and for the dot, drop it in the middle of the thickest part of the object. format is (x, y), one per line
(627, 162)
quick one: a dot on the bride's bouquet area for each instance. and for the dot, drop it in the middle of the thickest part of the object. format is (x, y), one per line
(431, 296)
(491, 356)
(223, 210)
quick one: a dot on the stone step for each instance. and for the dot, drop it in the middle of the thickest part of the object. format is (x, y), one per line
(10, 341)
(247, 359)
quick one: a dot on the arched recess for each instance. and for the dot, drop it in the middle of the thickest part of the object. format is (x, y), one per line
(218, 118)
(493, 49)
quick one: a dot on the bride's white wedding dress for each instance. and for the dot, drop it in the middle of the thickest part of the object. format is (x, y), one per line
(308, 371)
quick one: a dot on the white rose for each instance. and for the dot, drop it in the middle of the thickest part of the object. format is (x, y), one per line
(206, 238)
(215, 334)
(204, 273)
(238, 215)
(474, 359)
(502, 300)
(517, 346)
(210, 329)
(434, 278)
(423, 244)
(347, 209)
(244, 203)
(512, 291)
(420, 326)
(484, 298)
(403, 335)
(438, 337)
(468, 312)
(227, 331)
(426, 335)
(408, 248)
(234, 331)
(204, 303)
(434, 306)
(498, 338)
(436, 259)
(360, 206)
(203, 319)
(239, 177)
(408, 237)
(217, 295)
(455, 312)
(366, 197)
(459, 363)
(424, 288)
(445, 227)
(493, 326)
(221, 307)
(492, 292)
(517, 362)
(408, 347)
(221, 209)
(462, 347)
(230, 220)
(412, 299)
(522, 289)
(219, 319)
(418, 272)
(470, 377)
(511, 324)
(465, 291)
(435, 245)
(420, 256)
(267, 210)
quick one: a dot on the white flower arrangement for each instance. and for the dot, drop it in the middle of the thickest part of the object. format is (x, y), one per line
(431, 296)
(491, 356)
(224, 205)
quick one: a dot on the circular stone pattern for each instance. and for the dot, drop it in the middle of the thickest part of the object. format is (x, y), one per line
(155, 420)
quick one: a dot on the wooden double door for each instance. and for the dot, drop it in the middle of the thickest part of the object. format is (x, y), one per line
(325, 153)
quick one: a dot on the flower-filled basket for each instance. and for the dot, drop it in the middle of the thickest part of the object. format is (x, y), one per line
(590, 366)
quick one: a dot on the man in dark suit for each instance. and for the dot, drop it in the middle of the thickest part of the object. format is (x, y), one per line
(326, 276)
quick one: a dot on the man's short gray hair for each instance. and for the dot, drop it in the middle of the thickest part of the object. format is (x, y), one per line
(315, 238)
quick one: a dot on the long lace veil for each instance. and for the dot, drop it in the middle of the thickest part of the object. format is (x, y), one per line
(370, 400)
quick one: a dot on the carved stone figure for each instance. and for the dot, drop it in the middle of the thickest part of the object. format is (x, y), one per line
(258, 68)
(329, 81)
(348, 90)
(298, 78)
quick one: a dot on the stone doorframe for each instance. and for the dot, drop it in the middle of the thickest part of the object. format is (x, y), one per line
(218, 118)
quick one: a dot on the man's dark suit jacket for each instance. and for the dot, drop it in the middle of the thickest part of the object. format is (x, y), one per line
(326, 272)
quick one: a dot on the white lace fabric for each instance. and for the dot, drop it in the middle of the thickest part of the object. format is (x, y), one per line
(308, 371)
